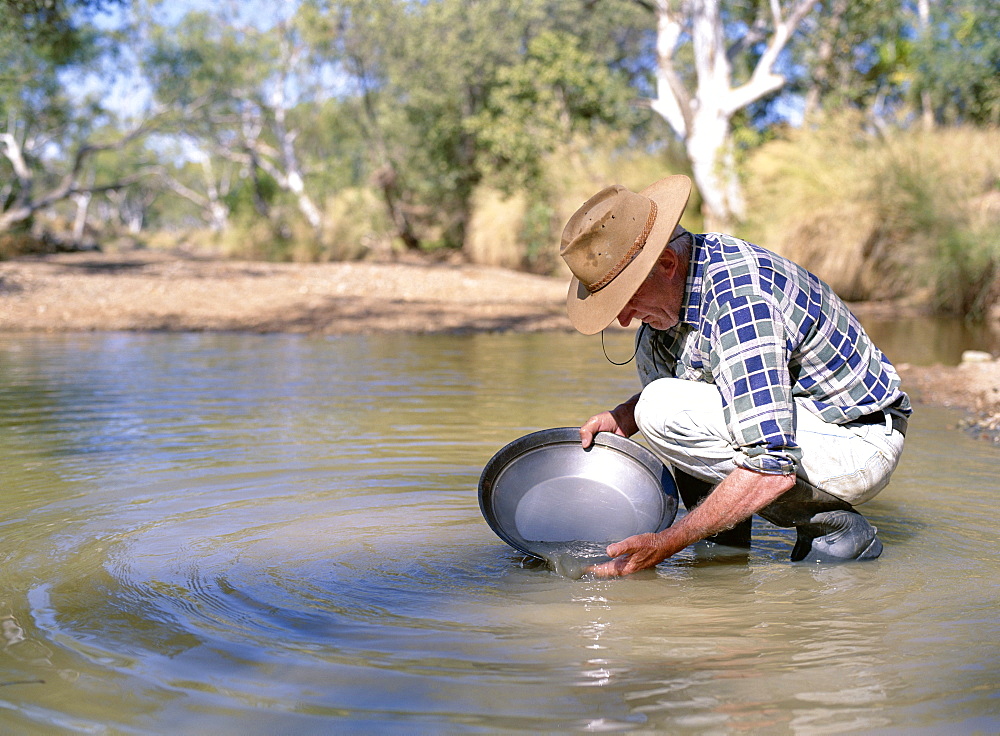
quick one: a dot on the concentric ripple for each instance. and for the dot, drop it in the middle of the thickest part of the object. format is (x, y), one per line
(259, 534)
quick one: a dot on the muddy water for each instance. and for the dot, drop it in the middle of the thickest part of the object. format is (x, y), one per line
(256, 535)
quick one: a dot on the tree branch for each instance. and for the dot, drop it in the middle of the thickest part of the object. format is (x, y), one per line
(764, 80)
(26, 204)
(672, 101)
(756, 33)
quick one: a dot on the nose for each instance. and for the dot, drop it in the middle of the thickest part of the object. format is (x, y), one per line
(625, 316)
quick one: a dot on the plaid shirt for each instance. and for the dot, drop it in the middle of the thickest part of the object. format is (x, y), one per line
(765, 331)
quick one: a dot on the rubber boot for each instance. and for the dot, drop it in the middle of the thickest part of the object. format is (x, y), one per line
(692, 492)
(828, 529)
(836, 536)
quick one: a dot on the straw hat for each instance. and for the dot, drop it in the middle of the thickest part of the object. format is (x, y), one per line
(612, 243)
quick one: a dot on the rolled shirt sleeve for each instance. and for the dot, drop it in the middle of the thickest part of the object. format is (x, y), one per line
(767, 332)
(749, 364)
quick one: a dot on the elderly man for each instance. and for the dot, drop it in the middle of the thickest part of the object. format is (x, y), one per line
(760, 389)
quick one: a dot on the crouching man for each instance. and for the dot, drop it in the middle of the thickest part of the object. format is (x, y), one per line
(760, 388)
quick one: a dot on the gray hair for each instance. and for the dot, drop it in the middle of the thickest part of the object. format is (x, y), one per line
(681, 242)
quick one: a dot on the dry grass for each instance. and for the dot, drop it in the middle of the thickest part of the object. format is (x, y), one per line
(523, 230)
(494, 231)
(910, 216)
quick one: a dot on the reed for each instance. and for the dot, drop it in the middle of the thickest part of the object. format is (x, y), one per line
(914, 216)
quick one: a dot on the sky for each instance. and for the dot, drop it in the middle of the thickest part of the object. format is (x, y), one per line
(126, 92)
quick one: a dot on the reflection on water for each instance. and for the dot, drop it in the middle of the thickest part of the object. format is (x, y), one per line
(930, 340)
(254, 535)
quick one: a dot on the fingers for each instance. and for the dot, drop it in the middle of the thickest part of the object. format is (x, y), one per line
(615, 568)
(623, 547)
(630, 555)
(603, 422)
(590, 428)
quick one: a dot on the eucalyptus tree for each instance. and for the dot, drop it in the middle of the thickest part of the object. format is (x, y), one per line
(54, 24)
(556, 92)
(714, 60)
(242, 82)
(938, 60)
(358, 40)
(861, 59)
(451, 93)
(417, 73)
(49, 139)
(957, 62)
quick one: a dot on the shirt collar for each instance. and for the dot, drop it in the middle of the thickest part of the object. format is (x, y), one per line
(691, 305)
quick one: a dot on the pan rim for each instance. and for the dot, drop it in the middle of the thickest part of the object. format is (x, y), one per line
(544, 438)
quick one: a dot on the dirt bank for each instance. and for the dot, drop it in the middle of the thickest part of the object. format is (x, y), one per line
(144, 290)
(149, 290)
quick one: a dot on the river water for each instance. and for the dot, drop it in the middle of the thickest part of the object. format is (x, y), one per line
(234, 534)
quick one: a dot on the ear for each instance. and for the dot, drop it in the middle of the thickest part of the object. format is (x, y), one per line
(670, 262)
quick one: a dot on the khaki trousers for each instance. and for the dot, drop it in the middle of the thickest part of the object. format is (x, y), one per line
(683, 424)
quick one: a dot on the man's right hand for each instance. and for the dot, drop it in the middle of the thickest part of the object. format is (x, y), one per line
(620, 421)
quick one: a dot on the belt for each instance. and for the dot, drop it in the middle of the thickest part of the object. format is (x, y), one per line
(898, 420)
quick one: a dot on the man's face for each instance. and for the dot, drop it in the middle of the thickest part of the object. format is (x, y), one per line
(658, 300)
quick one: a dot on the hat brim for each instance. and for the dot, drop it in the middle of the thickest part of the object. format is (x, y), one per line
(590, 312)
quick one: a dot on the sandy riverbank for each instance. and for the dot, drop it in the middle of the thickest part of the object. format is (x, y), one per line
(146, 290)
(150, 290)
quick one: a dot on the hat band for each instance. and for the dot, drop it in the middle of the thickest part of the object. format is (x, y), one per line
(637, 246)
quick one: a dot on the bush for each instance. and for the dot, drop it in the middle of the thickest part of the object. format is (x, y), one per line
(907, 216)
(494, 229)
(15, 244)
(522, 230)
(357, 227)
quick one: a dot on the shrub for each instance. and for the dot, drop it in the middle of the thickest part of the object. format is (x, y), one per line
(883, 218)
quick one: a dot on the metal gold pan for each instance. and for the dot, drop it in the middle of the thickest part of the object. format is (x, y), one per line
(545, 490)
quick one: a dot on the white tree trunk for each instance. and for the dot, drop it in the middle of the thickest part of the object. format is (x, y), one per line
(294, 180)
(702, 117)
(927, 107)
(28, 202)
(82, 201)
(20, 209)
(711, 164)
(217, 210)
(213, 209)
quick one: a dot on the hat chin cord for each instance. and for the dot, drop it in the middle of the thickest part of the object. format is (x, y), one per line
(634, 352)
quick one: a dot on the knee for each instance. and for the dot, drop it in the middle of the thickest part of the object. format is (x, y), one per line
(656, 410)
(673, 406)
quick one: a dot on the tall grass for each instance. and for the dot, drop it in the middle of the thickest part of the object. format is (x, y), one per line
(912, 216)
(523, 230)
(355, 226)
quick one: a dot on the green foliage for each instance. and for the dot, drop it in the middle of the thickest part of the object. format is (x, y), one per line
(868, 59)
(536, 234)
(881, 61)
(248, 195)
(959, 62)
(204, 59)
(472, 92)
(557, 90)
(48, 26)
(53, 135)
